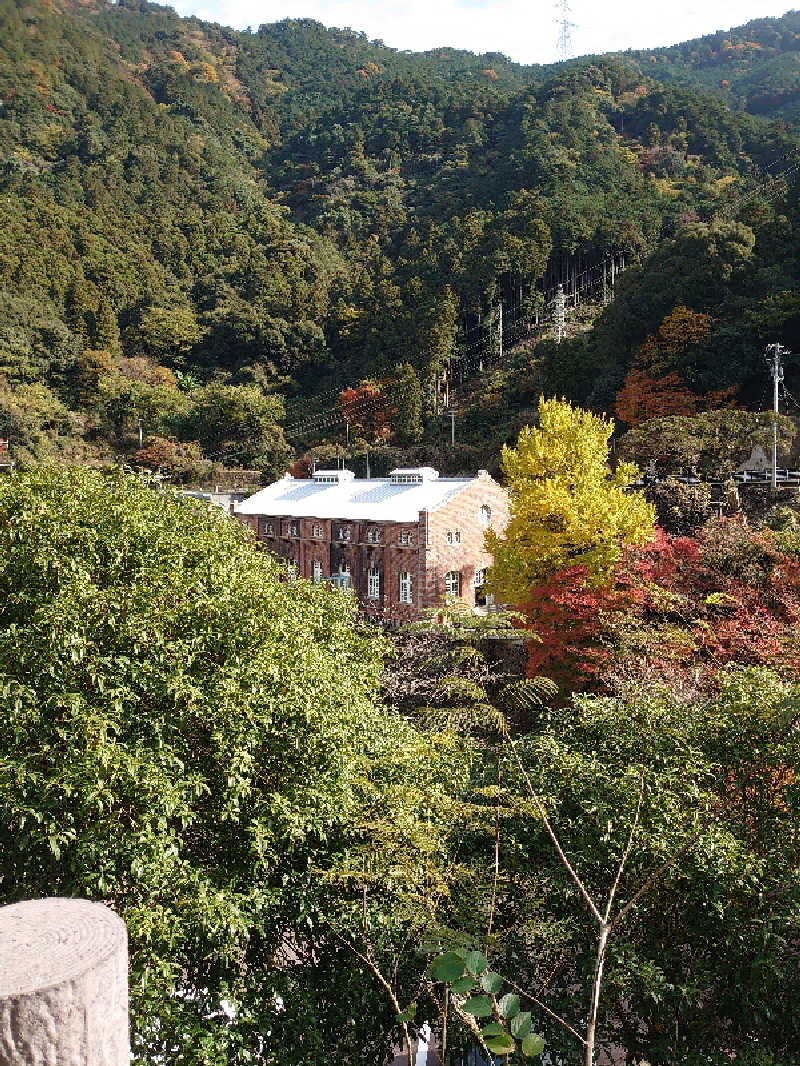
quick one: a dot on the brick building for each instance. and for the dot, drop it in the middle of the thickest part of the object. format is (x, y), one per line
(401, 543)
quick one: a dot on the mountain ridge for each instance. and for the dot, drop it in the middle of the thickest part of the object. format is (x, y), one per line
(188, 208)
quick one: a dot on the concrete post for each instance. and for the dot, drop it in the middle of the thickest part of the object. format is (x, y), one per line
(63, 984)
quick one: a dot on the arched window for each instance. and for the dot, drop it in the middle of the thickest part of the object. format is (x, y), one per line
(485, 516)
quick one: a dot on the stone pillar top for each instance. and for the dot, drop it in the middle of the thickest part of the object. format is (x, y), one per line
(46, 942)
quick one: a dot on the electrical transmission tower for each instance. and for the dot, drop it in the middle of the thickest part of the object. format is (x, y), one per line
(565, 28)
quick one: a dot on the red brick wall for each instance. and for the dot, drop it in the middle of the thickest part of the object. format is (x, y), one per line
(461, 514)
(427, 559)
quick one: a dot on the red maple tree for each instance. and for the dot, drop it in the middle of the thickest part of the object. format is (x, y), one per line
(679, 609)
(368, 410)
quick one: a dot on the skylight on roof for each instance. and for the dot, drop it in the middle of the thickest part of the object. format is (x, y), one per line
(413, 475)
(333, 477)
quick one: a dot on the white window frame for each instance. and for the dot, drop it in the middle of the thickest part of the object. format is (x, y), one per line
(291, 571)
(406, 536)
(373, 584)
(449, 536)
(316, 531)
(344, 568)
(316, 571)
(344, 533)
(452, 583)
(269, 529)
(485, 516)
(406, 587)
(478, 581)
(457, 536)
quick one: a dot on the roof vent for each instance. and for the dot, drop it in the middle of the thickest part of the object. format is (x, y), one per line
(333, 477)
(413, 475)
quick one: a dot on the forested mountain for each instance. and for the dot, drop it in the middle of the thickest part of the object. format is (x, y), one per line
(755, 67)
(205, 235)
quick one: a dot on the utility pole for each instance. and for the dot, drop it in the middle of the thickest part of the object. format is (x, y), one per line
(560, 314)
(141, 441)
(774, 356)
(368, 475)
(452, 413)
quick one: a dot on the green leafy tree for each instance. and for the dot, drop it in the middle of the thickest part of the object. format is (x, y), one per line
(405, 394)
(644, 814)
(36, 345)
(568, 508)
(167, 334)
(38, 426)
(713, 443)
(237, 424)
(196, 743)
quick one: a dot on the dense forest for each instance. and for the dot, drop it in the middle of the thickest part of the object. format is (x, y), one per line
(217, 247)
(569, 830)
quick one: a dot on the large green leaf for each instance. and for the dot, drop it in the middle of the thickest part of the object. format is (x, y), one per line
(463, 985)
(478, 1006)
(501, 1045)
(492, 982)
(521, 1025)
(509, 1005)
(476, 962)
(448, 967)
(493, 1029)
(532, 1045)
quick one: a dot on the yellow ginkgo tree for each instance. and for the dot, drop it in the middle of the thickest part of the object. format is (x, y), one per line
(568, 506)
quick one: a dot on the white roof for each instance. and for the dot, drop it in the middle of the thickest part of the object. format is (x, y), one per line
(371, 500)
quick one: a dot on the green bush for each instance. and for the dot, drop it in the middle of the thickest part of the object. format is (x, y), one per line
(183, 737)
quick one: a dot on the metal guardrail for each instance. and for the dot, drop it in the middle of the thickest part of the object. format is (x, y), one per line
(782, 477)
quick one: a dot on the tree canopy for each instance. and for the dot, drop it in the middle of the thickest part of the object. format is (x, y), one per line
(198, 744)
(568, 508)
(303, 210)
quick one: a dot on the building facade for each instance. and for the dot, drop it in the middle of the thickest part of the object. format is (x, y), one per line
(401, 543)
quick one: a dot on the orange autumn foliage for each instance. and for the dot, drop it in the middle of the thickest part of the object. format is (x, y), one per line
(642, 397)
(654, 388)
(680, 329)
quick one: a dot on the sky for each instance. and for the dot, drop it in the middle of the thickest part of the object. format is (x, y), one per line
(525, 30)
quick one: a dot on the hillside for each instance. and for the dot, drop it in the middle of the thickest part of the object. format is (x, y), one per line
(755, 67)
(206, 234)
